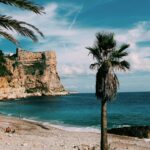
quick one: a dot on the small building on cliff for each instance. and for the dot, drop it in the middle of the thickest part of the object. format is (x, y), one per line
(31, 74)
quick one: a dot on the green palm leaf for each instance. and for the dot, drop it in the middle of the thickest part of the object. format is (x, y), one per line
(9, 23)
(120, 65)
(105, 41)
(123, 47)
(94, 66)
(118, 54)
(33, 27)
(8, 37)
(95, 53)
(24, 4)
(125, 65)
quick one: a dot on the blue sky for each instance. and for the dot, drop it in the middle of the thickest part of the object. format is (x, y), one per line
(70, 26)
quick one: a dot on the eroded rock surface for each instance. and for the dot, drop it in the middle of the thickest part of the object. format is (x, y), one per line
(33, 74)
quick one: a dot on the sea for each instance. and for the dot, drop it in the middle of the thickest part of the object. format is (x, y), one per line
(81, 111)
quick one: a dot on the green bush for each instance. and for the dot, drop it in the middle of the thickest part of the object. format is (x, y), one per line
(36, 67)
(16, 64)
(3, 69)
(13, 57)
(37, 89)
(2, 57)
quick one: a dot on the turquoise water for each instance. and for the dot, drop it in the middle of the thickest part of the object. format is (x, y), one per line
(81, 110)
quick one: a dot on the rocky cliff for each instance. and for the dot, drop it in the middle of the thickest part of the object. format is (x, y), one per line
(31, 74)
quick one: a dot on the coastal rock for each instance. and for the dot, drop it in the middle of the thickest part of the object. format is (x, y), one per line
(8, 130)
(134, 131)
(32, 74)
(86, 147)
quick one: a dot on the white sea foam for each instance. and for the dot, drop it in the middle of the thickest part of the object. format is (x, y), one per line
(121, 126)
(147, 140)
(9, 115)
(76, 129)
(66, 127)
(60, 125)
(5, 114)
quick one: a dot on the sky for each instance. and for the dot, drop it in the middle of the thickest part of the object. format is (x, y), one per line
(70, 26)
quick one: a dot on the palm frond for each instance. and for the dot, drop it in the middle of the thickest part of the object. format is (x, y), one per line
(125, 65)
(100, 84)
(118, 54)
(24, 4)
(94, 66)
(9, 23)
(8, 37)
(105, 41)
(108, 59)
(27, 33)
(123, 47)
(106, 85)
(112, 86)
(33, 27)
(95, 53)
(120, 65)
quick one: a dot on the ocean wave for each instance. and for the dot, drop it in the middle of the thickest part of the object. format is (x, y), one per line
(76, 129)
(66, 127)
(6, 114)
(120, 126)
(147, 140)
(61, 125)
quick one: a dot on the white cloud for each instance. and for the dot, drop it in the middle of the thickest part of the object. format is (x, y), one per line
(70, 41)
(71, 70)
(75, 70)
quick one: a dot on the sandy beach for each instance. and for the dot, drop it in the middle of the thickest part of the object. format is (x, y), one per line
(34, 136)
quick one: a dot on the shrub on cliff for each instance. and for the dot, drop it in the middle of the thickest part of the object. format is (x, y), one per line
(37, 68)
(3, 69)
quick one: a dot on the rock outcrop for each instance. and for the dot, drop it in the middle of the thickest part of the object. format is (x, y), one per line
(134, 131)
(32, 74)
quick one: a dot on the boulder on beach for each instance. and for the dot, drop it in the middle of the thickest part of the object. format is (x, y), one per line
(8, 130)
(134, 131)
(86, 147)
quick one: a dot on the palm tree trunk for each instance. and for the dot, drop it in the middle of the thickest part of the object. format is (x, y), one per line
(104, 141)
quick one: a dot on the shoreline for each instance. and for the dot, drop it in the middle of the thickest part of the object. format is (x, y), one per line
(61, 126)
(65, 127)
(77, 128)
(34, 135)
(27, 95)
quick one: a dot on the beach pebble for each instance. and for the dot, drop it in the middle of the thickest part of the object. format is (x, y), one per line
(8, 130)
(86, 147)
(24, 144)
(7, 143)
(62, 145)
(10, 135)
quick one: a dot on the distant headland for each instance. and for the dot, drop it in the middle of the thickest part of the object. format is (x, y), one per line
(30, 74)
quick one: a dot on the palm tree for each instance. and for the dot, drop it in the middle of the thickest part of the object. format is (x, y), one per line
(23, 28)
(109, 58)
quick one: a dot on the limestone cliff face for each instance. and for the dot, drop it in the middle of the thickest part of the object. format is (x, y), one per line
(33, 74)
